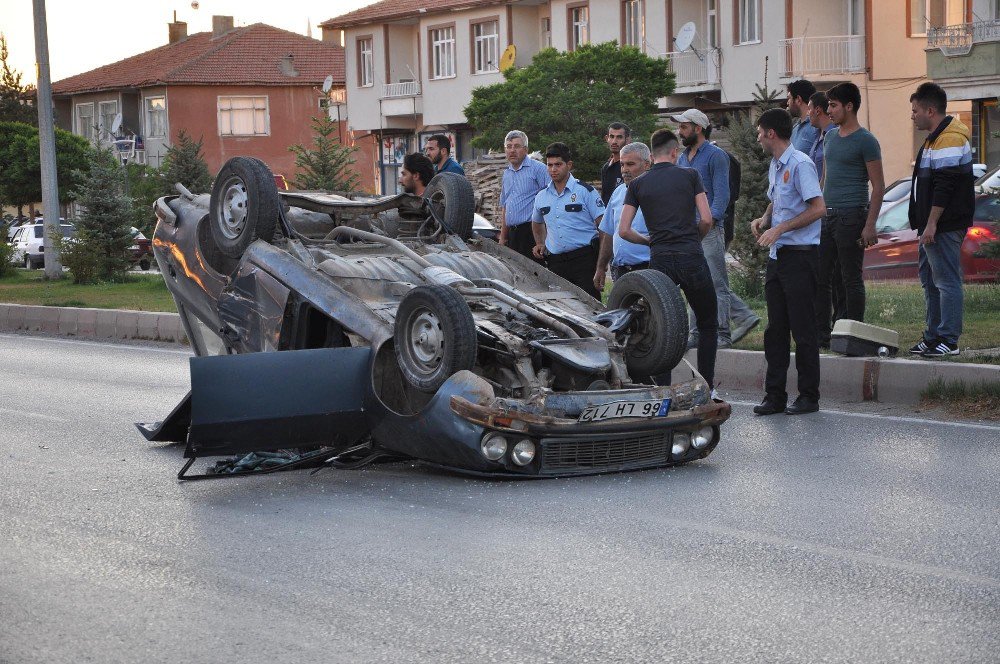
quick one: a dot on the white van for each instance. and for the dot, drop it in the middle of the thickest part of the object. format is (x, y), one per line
(28, 244)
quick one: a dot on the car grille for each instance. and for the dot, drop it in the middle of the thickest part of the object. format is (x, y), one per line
(641, 450)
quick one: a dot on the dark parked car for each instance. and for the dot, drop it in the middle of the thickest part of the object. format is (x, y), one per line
(895, 254)
(385, 326)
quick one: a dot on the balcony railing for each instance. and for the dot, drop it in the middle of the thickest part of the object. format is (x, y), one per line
(804, 56)
(407, 89)
(959, 39)
(693, 69)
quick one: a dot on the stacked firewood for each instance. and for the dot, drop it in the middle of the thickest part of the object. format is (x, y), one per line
(486, 175)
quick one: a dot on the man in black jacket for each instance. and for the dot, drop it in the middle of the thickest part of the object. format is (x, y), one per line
(942, 202)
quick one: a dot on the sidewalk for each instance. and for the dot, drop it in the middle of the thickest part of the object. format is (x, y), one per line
(849, 379)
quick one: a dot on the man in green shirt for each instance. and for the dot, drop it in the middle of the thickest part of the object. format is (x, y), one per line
(853, 159)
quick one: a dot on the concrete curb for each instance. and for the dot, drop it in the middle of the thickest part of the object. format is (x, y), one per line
(898, 381)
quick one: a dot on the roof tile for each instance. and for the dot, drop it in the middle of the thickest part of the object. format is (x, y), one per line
(398, 9)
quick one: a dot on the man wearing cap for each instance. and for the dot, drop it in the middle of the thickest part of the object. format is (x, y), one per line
(523, 178)
(564, 221)
(623, 255)
(712, 164)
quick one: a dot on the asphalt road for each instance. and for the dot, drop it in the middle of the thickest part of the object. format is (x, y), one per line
(821, 538)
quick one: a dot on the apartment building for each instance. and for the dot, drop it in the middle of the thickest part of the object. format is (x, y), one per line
(411, 65)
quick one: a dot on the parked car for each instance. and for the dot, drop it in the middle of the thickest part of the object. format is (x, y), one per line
(14, 225)
(989, 181)
(392, 329)
(141, 251)
(895, 192)
(28, 243)
(894, 256)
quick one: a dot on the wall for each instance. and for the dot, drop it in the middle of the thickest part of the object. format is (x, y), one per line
(403, 53)
(819, 18)
(527, 30)
(743, 66)
(363, 111)
(894, 55)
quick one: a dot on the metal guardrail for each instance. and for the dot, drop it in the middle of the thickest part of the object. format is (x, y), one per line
(823, 55)
(959, 39)
(407, 89)
(694, 69)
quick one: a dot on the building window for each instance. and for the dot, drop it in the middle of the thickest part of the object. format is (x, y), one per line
(485, 47)
(545, 38)
(713, 23)
(366, 63)
(632, 28)
(156, 117)
(85, 121)
(443, 52)
(107, 110)
(243, 116)
(579, 26)
(749, 21)
(926, 14)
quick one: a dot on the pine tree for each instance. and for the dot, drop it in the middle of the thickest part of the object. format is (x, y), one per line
(753, 200)
(184, 163)
(13, 94)
(327, 165)
(104, 231)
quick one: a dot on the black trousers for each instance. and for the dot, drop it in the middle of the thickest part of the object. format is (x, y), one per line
(691, 273)
(521, 239)
(841, 258)
(833, 286)
(618, 270)
(577, 267)
(790, 290)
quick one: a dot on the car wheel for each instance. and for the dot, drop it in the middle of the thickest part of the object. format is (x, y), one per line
(244, 205)
(450, 198)
(145, 264)
(28, 265)
(435, 336)
(659, 337)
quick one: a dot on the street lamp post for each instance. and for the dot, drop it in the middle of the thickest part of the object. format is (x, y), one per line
(47, 143)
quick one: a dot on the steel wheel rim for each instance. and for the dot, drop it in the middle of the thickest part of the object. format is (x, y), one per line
(233, 207)
(424, 342)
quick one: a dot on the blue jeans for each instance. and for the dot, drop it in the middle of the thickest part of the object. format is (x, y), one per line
(941, 276)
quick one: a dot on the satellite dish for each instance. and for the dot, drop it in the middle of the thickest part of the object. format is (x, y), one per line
(327, 83)
(116, 124)
(685, 36)
(508, 57)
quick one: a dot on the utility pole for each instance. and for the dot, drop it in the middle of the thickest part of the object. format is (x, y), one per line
(47, 143)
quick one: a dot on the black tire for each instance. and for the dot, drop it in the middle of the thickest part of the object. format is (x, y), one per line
(28, 264)
(244, 205)
(145, 264)
(451, 198)
(660, 339)
(435, 336)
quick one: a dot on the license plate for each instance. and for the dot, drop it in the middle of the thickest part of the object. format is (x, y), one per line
(620, 409)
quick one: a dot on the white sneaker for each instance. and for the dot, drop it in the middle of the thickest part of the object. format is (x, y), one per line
(715, 395)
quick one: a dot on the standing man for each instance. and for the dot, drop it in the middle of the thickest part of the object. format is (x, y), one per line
(611, 172)
(712, 164)
(416, 173)
(564, 221)
(803, 132)
(677, 215)
(942, 202)
(852, 158)
(438, 150)
(522, 180)
(790, 285)
(624, 256)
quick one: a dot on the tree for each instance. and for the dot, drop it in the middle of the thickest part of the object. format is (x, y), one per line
(327, 165)
(753, 200)
(572, 97)
(20, 163)
(103, 234)
(184, 163)
(14, 95)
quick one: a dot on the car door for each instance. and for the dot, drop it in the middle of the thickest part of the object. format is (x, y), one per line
(894, 256)
(18, 255)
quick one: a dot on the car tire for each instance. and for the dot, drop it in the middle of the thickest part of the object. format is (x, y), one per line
(435, 336)
(660, 340)
(28, 263)
(145, 264)
(450, 197)
(244, 205)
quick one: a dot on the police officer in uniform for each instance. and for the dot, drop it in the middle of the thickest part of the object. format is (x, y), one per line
(623, 255)
(564, 222)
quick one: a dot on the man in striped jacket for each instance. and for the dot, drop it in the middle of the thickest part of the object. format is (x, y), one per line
(942, 202)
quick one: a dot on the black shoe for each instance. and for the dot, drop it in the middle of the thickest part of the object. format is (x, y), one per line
(919, 348)
(768, 407)
(941, 349)
(802, 405)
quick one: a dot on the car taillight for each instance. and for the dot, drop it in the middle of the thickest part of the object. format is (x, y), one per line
(982, 234)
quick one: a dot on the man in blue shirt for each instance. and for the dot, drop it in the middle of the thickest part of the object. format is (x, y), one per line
(438, 150)
(564, 221)
(803, 132)
(623, 255)
(522, 180)
(712, 164)
(792, 268)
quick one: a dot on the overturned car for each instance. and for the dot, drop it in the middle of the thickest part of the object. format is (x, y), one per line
(384, 326)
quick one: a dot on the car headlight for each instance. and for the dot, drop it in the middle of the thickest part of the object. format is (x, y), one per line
(682, 443)
(523, 453)
(702, 438)
(494, 446)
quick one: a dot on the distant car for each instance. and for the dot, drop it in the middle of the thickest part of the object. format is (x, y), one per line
(894, 256)
(895, 192)
(989, 181)
(14, 225)
(28, 243)
(141, 251)
(978, 170)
